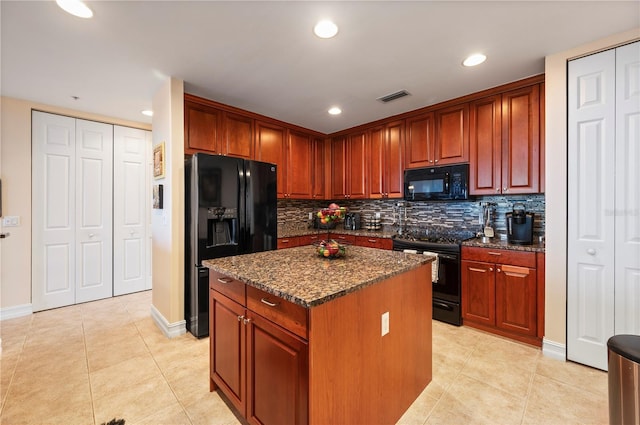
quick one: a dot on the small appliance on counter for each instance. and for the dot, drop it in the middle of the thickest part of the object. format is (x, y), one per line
(352, 221)
(519, 225)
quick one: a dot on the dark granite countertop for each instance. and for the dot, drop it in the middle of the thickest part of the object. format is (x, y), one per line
(302, 277)
(496, 243)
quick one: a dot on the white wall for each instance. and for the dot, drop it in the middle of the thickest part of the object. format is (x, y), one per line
(168, 223)
(15, 172)
(556, 194)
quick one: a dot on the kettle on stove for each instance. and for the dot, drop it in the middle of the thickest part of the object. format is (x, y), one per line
(520, 225)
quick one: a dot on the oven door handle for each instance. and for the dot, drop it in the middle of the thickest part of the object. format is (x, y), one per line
(443, 306)
(446, 256)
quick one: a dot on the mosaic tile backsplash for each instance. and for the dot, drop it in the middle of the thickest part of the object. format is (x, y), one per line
(394, 213)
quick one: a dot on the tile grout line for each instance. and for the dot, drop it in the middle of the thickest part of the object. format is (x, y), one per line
(530, 389)
(13, 373)
(86, 357)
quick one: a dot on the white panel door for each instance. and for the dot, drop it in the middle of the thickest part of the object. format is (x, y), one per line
(94, 216)
(590, 222)
(627, 208)
(149, 189)
(53, 205)
(130, 203)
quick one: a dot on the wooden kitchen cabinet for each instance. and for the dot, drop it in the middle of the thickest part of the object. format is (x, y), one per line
(437, 138)
(505, 143)
(500, 292)
(299, 166)
(343, 238)
(386, 161)
(290, 242)
(215, 131)
(319, 164)
(260, 365)
(348, 165)
(270, 147)
(372, 242)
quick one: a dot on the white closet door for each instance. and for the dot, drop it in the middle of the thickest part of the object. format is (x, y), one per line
(149, 184)
(627, 171)
(130, 203)
(590, 221)
(53, 205)
(94, 215)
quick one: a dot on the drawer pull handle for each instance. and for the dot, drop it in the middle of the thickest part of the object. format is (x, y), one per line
(225, 280)
(372, 240)
(474, 269)
(493, 253)
(269, 303)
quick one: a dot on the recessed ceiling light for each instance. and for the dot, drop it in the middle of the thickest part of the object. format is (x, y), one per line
(147, 112)
(335, 111)
(325, 29)
(475, 59)
(76, 8)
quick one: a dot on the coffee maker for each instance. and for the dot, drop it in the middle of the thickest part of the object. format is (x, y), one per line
(520, 226)
(352, 221)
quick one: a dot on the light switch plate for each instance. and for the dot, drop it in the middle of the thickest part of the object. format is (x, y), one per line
(385, 323)
(11, 221)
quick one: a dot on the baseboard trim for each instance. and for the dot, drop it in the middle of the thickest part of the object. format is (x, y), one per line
(170, 330)
(553, 349)
(16, 311)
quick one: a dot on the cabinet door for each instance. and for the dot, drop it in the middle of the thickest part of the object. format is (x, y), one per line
(394, 161)
(270, 147)
(521, 141)
(338, 168)
(419, 141)
(376, 151)
(356, 166)
(452, 135)
(278, 375)
(202, 128)
(485, 146)
(478, 292)
(299, 167)
(238, 136)
(319, 169)
(227, 346)
(516, 299)
(288, 242)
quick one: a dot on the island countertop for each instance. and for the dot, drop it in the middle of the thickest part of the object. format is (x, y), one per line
(302, 277)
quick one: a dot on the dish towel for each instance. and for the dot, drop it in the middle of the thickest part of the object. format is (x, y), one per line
(434, 264)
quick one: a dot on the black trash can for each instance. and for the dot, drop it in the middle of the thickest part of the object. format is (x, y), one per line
(624, 379)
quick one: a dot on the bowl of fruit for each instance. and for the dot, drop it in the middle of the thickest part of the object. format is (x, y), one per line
(331, 249)
(330, 216)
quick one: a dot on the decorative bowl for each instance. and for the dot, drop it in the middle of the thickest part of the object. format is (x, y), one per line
(330, 249)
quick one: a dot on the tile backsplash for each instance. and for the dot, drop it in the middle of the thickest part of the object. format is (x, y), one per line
(464, 215)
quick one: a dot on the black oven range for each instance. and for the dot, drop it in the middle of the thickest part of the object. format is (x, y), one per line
(447, 288)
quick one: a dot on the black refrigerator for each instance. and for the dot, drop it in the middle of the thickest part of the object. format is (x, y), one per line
(231, 209)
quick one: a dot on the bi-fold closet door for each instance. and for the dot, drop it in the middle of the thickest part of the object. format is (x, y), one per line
(90, 210)
(603, 222)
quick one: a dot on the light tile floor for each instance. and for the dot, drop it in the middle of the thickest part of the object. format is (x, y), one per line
(90, 363)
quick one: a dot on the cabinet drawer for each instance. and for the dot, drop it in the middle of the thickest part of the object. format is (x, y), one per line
(380, 243)
(288, 242)
(310, 239)
(232, 288)
(290, 316)
(350, 239)
(499, 256)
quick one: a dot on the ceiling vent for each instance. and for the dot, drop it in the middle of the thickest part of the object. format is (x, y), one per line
(393, 96)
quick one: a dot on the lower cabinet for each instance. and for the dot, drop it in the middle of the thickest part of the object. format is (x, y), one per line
(370, 242)
(380, 243)
(500, 292)
(260, 365)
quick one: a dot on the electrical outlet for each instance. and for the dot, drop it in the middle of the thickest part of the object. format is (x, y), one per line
(377, 215)
(310, 216)
(385, 323)
(11, 221)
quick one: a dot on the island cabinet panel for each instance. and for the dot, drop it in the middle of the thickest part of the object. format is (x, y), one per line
(358, 376)
(452, 135)
(228, 286)
(290, 316)
(500, 292)
(278, 376)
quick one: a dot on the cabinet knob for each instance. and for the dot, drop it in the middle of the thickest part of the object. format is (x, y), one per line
(504, 189)
(436, 161)
(490, 269)
(240, 318)
(246, 321)
(591, 251)
(498, 189)
(499, 270)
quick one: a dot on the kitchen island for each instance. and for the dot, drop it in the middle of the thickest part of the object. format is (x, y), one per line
(296, 338)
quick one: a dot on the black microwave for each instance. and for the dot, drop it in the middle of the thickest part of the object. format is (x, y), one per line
(445, 183)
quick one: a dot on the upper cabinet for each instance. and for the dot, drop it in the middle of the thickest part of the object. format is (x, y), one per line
(299, 166)
(438, 138)
(386, 162)
(348, 159)
(505, 143)
(270, 147)
(238, 135)
(202, 128)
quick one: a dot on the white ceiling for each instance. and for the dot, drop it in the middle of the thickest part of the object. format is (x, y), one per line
(262, 56)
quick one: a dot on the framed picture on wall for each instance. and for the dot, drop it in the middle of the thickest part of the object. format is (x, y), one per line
(157, 196)
(158, 161)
